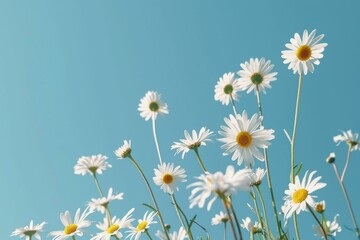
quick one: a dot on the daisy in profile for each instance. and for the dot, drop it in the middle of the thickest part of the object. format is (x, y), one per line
(124, 151)
(304, 52)
(29, 231)
(218, 185)
(100, 204)
(219, 218)
(113, 228)
(143, 225)
(151, 105)
(226, 89)
(92, 164)
(243, 137)
(250, 226)
(348, 137)
(331, 228)
(320, 206)
(256, 74)
(72, 228)
(298, 196)
(180, 235)
(257, 176)
(168, 177)
(192, 142)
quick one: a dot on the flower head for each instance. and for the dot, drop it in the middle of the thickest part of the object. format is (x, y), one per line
(250, 226)
(331, 228)
(168, 177)
(151, 105)
(257, 176)
(192, 142)
(143, 225)
(100, 204)
(180, 235)
(219, 218)
(304, 52)
(227, 88)
(298, 195)
(92, 164)
(243, 137)
(350, 138)
(124, 151)
(29, 231)
(331, 158)
(256, 74)
(72, 227)
(320, 206)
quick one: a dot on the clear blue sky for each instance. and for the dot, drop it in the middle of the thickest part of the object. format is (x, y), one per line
(72, 74)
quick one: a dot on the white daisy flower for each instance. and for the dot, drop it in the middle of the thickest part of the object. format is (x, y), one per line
(113, 228)
(320, 206)
(219, 218)
(243, 137)
(180, 235)
(304, 52)
(72, 228)
(151, 105)
(250, 226)
(92, 164)
(29, 231)
(298, 194)
(168, 177)
(192, 142)
(218, 185)
(100, 204)
(256, 74)
(124, 151)
(257, 176)
(143, 225)
(331, 228)
(227, 88)
(350, 138)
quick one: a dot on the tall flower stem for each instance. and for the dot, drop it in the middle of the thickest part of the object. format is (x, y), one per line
(223, 198)
(264, 209)
(233, 104)
(258, 213)
(148, 234)
(268, 175)
(356, 228)
(102, 195)
(236, 219)
(224, 230)
(73, 237)
(186, 227)
(155, 139)
(199, 160)
(317, 220)
(152, 195)
(347, 163)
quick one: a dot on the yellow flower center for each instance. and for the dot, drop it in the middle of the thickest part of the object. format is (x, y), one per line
(154, 106)
(255, 230)
(303, 53)
(243, 139)
(319, 208)
(112, 229)
(257, 78)
(141, 226)
(300, 195)
(69, 229)
(168, 178)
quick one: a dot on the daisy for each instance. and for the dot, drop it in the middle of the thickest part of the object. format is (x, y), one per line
(304, 52)
(180, 235)
(218, 185)
(350, 138)
(168, 177)
(192, 142)
(93, 164)
(227, 88)
(256, 74)
(113, 228)
(298, 194)
(124, 151)
(250, 226)
(150, 105)
(320, 206)
(219, 218)
(243, 137)
(29, 231)
(143, 225)
(257, 176)
(72, 228)
(331, 228)
(100, 204)
(331, 158)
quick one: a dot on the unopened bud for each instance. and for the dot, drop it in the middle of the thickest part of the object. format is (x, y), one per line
(331, 158)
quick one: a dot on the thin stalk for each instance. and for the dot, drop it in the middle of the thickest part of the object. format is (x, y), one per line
(148, 234)
(264, 209)
(233, 104)
(30, 237)
(73, 237)
(317, 220)
(224, 230)
(186, 227)
(251, 235)
(152, 195)
(268, 175)
(102, 195)
(199, 160)
(229, 217)
(258, 214)
(296, 226)
(356, 228)
(236, 219)
(346, 164)
(155, 138)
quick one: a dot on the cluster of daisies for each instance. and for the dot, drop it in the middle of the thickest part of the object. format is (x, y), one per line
(244, 138)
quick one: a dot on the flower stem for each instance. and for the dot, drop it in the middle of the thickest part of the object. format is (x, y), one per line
(264, 209)
(346, 164)
(236, 219)
(356, 228)
(199, 160)
(317, 220)
(152, 195)
(156, 141)
(102, 195)
(258, 213)
(268, 175)
(233, 104)
(147, 233)
(223, 198)
(186, 227)
(73, 237)
(224, 230)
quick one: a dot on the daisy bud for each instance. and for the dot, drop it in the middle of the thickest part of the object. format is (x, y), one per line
(331, 158)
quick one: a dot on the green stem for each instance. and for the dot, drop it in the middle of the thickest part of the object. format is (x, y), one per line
(151, 194)
(251, 235)
(156, 141)
(186, 227)
(73, 237)
(264, 209)
(148, 234)
(346, 164)
(199, 160)
(223, 198)
(317, 220)
(224, 230)
(258, 213)
(236, 219)
(102, 195)
(233, 105)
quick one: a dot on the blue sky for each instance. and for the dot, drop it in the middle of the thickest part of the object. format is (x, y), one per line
(72, 74)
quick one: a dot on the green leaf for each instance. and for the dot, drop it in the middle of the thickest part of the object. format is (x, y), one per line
(149, 206)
